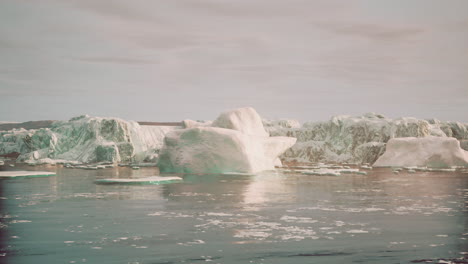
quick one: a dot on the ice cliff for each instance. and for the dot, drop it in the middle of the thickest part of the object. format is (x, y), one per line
(85, 139)
(235, 142)
(356, 139)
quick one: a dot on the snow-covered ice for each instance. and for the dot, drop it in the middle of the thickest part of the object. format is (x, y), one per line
(236, 142)
(428, 151)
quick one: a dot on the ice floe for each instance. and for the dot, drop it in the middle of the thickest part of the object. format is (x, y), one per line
(147, 180)
(14, 174)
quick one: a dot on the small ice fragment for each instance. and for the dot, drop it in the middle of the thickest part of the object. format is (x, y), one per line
(357, 231)
(13, 174)
(148, 180)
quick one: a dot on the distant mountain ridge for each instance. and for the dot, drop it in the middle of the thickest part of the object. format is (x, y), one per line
(27, 125)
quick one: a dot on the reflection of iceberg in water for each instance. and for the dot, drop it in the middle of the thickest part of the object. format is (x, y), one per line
(266, 188)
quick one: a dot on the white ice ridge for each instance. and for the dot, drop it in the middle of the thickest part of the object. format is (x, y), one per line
(13, 174)
(235, 142)
(357, 139)
(428, 151)
(86, 139)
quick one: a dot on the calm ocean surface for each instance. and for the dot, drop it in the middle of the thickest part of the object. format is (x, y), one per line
(269, 218)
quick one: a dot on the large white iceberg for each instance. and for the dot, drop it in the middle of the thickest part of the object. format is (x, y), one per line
(423, 152)
(236, 142)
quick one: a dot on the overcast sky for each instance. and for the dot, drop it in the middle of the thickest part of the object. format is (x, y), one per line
(177, 59)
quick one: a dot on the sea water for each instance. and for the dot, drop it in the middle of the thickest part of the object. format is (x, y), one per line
(273, 217)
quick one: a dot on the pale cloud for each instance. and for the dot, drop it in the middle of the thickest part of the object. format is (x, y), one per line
(169, 60)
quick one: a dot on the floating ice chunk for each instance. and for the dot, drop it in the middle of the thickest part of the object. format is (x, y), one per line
(352, 171)
(238, 173)
(442, 170)
(357, 231)
(295, 219)
(332, 172)
(14, 174)
(428, 151)
(20, 221)
(148, 180)
(322, 172)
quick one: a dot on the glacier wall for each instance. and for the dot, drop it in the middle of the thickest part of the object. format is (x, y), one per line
(86, 139)
(356, 139)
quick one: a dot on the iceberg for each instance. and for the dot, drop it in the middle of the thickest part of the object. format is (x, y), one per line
(235, 142)
(423, 152)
